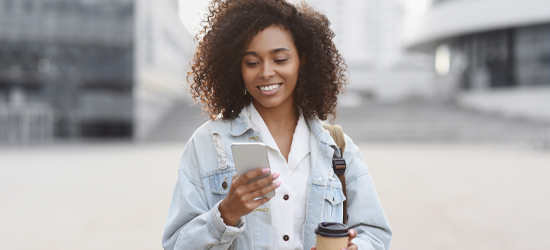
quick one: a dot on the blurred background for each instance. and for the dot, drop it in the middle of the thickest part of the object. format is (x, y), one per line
(449, 101)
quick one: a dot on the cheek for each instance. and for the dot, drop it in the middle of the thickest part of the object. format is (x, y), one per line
(292, 73)
(248, 76)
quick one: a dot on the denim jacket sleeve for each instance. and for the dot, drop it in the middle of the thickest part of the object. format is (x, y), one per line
(190, 223)
(365, 212)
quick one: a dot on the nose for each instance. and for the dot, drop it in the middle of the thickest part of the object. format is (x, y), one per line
(267, 71)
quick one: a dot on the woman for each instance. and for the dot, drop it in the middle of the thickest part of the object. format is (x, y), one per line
(267, 71)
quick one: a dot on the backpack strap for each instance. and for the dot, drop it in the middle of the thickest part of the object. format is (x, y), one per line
(339, 163)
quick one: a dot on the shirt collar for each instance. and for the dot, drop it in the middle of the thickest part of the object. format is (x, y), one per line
(259, 124)
(300, 147)
(242, 123)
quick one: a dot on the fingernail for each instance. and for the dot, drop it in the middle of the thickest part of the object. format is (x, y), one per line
(265, 170)
(278, 183)
(275, 176)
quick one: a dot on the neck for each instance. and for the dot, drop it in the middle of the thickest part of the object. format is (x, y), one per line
(280, 118)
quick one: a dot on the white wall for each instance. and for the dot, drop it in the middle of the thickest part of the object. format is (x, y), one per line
(369, 37)
(455, 18)
(163, 48)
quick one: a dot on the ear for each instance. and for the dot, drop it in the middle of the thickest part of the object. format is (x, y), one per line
(303, 59)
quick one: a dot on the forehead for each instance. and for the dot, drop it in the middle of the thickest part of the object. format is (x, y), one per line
(270, 38)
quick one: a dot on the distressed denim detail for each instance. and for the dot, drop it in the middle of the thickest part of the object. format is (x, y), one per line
(222, 159)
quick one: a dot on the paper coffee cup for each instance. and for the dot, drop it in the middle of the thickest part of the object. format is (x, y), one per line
(332, 236)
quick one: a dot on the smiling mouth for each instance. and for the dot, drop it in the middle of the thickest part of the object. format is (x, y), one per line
(270, 87)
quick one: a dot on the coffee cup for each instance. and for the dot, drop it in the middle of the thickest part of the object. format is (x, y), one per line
(332, 236)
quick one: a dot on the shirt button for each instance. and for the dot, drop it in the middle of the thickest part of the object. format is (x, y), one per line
(285, 197)
(285, 237)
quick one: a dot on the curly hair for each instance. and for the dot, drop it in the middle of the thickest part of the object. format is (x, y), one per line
(217, 83)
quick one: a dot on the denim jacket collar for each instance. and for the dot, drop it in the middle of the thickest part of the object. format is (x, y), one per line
(242, 123)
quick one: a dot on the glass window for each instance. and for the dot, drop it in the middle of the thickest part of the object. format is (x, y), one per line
(532, 52)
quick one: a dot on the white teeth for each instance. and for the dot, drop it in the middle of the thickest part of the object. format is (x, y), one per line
(270, 87)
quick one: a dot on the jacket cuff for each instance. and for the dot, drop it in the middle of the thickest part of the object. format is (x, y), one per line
(220, 230)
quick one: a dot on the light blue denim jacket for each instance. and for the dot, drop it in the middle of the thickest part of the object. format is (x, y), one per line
(206, 162)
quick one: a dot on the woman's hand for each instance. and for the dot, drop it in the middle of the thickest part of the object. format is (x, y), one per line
(351, 245)
(240, 199)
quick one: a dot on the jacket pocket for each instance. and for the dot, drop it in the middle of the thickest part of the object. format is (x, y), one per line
(220, 183)
(333, 205)
(334, 195)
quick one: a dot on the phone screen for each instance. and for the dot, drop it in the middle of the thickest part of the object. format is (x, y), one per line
(249, 156)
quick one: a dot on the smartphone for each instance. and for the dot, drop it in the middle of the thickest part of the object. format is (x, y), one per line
(249, 156)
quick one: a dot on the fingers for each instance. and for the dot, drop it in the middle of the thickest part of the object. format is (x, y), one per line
(262, 191)
(243, 197)
(259, 202)
(241, 180)
(314, 248)
(255, 173)
(257, 184)
(351, 245)
(352, 234)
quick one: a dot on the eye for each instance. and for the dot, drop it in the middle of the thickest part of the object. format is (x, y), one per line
(251, 64)
(281, 60)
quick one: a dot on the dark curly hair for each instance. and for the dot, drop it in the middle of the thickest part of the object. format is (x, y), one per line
(217, 84)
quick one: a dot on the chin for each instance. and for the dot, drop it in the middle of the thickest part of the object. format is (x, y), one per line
(269, 103)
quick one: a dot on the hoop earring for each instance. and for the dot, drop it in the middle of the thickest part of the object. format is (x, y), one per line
(245, 91)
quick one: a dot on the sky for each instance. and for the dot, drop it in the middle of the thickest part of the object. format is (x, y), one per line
(192, 12)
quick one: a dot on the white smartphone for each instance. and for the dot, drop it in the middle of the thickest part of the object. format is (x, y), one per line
(249, 156)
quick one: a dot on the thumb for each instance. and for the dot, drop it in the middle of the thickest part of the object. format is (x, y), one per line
(352, 234)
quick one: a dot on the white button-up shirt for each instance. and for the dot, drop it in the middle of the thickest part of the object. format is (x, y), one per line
(288, 216)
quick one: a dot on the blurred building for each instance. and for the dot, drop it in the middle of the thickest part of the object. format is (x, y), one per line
(491, 55)
(88, 68)
(369, 34)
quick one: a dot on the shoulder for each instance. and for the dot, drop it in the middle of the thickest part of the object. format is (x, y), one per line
(351, 147)
(205, 145)
(218, 126)
(356, 166)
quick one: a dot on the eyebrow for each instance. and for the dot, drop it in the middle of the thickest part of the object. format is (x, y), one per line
(273, 51)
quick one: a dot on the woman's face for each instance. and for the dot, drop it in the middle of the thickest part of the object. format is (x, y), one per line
(270, 67)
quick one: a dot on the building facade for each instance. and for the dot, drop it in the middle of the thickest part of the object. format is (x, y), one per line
(88, 69)
(492, 55)
(369, 35)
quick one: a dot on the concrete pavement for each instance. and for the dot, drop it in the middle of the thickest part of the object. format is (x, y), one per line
(116, 195)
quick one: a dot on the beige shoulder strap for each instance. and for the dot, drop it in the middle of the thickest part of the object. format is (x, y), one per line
(337, 135)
